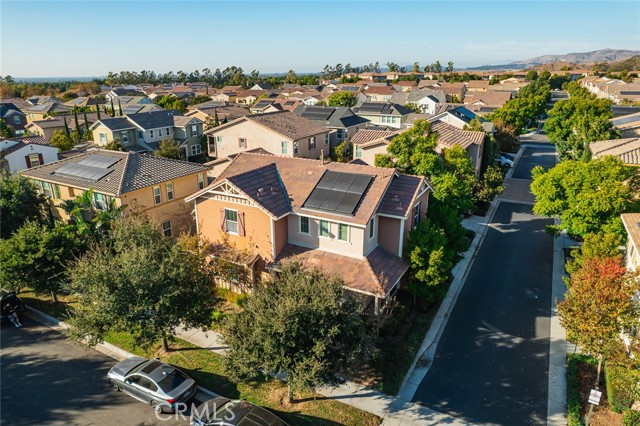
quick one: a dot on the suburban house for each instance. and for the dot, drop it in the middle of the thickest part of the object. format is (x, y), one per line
(346, 219)
(248, 97)
(207, 112)
(405, 86)
(494, 99)
(461, 116)
(85, 102)
(628, 125)
(455, 92)
(628, 150)
(262, 105)
(17, 154)
(631, 222)
(280, 133)
(477, 86)
(379, 94)
(368, 143)
(48, 126)
(153, 185)
(13, 118)
(144, 131)
(124, 91)
(427, 100)
(341, 121)
(386, 114)
(40, 112)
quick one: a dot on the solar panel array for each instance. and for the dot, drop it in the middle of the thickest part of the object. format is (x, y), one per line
(94, 167)
(317, 113)
(338, 192)
(99, 161)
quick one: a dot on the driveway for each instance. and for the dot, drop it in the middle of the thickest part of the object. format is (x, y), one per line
(47, 379)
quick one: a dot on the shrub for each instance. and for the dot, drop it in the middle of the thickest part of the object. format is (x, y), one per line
(623, 387)
(631, 418)
(217, 317)
(573, 394)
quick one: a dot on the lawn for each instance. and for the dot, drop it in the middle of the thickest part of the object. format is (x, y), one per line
(207, 369)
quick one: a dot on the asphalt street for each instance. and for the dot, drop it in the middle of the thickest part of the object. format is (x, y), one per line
(491, 364)
(49, 380)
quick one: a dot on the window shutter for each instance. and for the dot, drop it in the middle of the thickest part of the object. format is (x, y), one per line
(40, 158)
(26, 157)
(241, 223)
(223, 220)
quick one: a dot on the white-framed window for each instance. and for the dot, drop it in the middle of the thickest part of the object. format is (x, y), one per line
(323, 229)
(242, 142)
(200, 180)
(358, 151)
(416, 215)
(372, 225)
(34, 160)
(312, 143)
(219, 141)
(157, 198)
(196, 149)
(343, 232)
(295, 147)
(101, 201)
(124, 137)
(166, 228)
(340, 134)
(103, 138)
(170, 194)
(47, 189)
(168, 131)
(231, 221)
(326, 139)
(151, 134)
(194, 130)
(304, 225)
(140, 134)
(284, 147)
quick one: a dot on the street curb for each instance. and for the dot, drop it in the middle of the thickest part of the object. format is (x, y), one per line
(104, 348)
(515, 163)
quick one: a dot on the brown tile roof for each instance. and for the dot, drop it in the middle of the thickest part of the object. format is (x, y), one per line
(449, 135)
(488, 98)
(366, 135)
(254, 93)
(132, 171)
(478, 84)
(409, 83)
(264, 187)
(285, 123)
(375, 274)
(398, 198)
(628, 149)
(631, 223)
(380, 90)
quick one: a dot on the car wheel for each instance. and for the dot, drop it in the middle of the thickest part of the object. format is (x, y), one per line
(114, 386)
(157, 407)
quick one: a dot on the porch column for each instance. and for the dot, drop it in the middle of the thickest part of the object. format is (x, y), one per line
(376, 307)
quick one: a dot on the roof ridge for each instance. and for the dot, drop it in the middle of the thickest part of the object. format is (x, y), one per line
(124, 173)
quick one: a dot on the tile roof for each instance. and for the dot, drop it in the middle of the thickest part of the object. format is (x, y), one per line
(153, 119)
(449, 135)
(21, 143)
(334, 117)
(115, 123)
(264, 187)
(131, 172)
(380, 90)
(181, 120)
(628, 149)
(382, 108)
(398, 198)
(375, 274)
(488, 98)
(367, 135)
(285, 123)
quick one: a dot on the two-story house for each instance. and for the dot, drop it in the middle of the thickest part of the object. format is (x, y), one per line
(15, 119)
(280, 133)
(342, 122)
(379, 93)
(426, 100)
(154, 185)
(385, 114)
(345, 219)
(17, 154)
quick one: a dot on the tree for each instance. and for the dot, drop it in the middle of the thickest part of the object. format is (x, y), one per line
(298, 323)
(436, 67)
(75, 119)
(114, 145)
(342, 151)
(450, 66)
(532, 75)
(346, 99)
(491, 184)
(91, 221)
(5, 130)
(169, 278)
(416, 67)
(505, 135)
(98, 112)
(383, 160)
(119, 108)
(35, 256)
(586, 197)
(595, 245)
(113, 110)
(168, 148)
(20, 202)
(599, 305)
(86, 123)
(62, 141)
(200, 99)
(66, 127)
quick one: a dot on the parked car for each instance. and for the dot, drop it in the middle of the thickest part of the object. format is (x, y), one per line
(504, 160)
(226, 412)
(152, 382)
(9, 302)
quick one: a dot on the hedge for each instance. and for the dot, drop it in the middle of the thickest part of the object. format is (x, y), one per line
(623, 386)
(574, 402)
(631, 418)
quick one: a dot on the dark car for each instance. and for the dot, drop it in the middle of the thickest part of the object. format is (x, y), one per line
(152, 382)
(227, 412)
(10, 302)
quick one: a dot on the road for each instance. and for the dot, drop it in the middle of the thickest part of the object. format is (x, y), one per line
(542, 155)
(48, 380)
(491, 364)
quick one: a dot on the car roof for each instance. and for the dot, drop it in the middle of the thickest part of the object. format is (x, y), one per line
(155, 370)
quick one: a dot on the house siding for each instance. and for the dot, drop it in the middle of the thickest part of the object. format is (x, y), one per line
(351, 248)
(389, 234)
(282, 233)
(369, 153)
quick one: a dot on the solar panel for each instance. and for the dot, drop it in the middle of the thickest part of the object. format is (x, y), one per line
(348, 203)
(328, 180)
(343, 182)
(332, 200)
(359, 184)
(316, 198)
(99, 161)
(338, 192)
(83, 171)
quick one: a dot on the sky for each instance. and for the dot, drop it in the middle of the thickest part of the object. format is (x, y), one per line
(90, 38)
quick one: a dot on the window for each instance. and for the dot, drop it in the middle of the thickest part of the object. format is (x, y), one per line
(416, 215)
(200, 180)
(103, 138)
(47, 189)
(101, 201)
(324, 228)
(124, 137)
(166, 228)
(371, 228)
(295, 147)
(219, 141)
(343, 232)
(242, 142)
(16, 119)
(168, 131)
(148, 384)
(140, 134)
(151, 134)
(169, 191)
(231, 220)
(312, 143)
(340, 134)
(34, 160)
(157, 198)
(358, 151)
(326, 139)
(194, 130)
(304, 225)
(196, 149)
(284, 148)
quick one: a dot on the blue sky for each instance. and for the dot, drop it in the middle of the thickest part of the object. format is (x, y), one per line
(90, 38)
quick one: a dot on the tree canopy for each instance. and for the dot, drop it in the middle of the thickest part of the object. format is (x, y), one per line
(19, 202)
(62, 141)
(587, 197)
(168, 148)
(346, 99)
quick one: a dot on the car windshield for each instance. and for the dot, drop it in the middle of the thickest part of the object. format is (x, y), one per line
(172, 380)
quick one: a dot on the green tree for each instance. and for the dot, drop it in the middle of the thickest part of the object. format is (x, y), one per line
(298, 322)
(62, 141)
(200, 99)
(587, 197)
(169, 278)
(98, 112)
(595, 245)
(346, 99)
(114, 145)
(168, 148)
(66, 126)
(216, 120)
(491, 184)
(5, 130)
(89, 220)
(113, 109)
(119, 108)
(75, 119)
(19, 202)
(383, 160)
(532, 75)
(86, 123)
(341, 152)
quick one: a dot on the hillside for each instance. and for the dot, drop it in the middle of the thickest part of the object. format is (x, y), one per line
(608, 55)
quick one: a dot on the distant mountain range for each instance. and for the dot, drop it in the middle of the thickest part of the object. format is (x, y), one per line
(608, 55)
